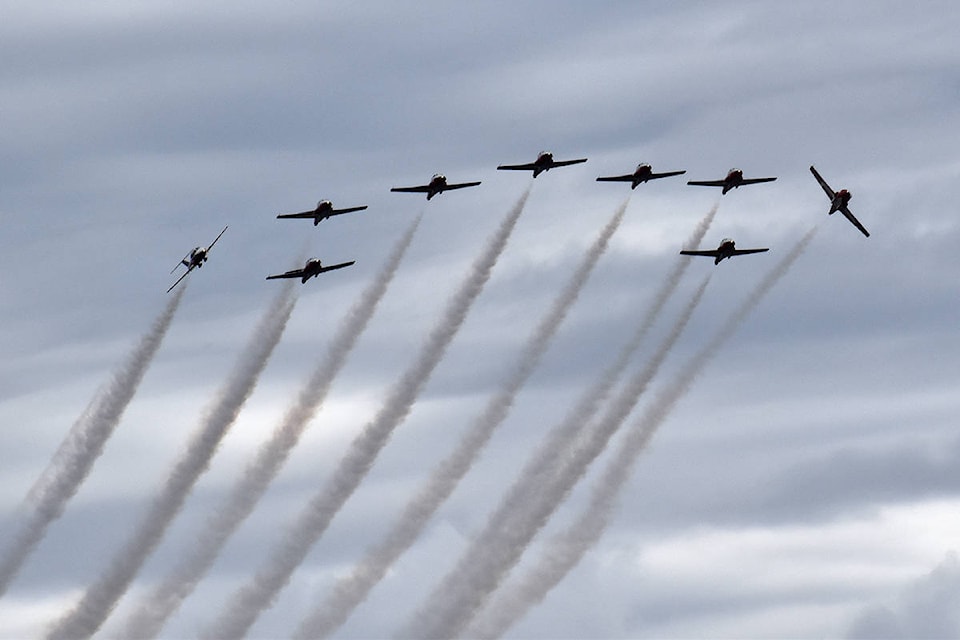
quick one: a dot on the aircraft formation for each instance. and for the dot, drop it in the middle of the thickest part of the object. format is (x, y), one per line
(545, 161)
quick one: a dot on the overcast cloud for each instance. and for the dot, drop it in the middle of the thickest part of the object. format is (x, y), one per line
(806, 486)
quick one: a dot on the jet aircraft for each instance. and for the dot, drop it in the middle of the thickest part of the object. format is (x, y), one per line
(727, 249)
(194, 259)
(438, 184)
(313, 267)
(734, 180)
(323, 211)
(838, 201)
(641, 174)
(544, 162)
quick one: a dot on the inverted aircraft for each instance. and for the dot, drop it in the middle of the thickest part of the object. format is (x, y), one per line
(838, 201)
(727, 249)
(641, 174)
(313, 267)
(194, 259)
(437, 184)
(323, 211)
(734, 180)
(544, 162)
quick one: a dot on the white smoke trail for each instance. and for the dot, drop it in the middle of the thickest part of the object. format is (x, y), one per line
(101, 596)
(246, 604)
(353, 589)
(154, 609)
(565, 551)
(542, 465)
(83, 445)
(491, 556)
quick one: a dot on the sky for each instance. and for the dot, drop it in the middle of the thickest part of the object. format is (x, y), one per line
(807, 484)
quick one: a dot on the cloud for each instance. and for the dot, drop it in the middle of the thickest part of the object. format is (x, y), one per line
(927, 608)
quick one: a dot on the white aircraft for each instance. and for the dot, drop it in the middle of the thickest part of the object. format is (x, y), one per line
(437, 184)
(194, 259)
(544, 162)
(838, 201)
(641, 174)
(323, 211)
(727, 249)
(313, 267)
(733, 180)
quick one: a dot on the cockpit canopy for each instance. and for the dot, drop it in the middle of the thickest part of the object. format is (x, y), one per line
(438, 177)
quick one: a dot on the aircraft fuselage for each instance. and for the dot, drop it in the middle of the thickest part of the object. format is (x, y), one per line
(840, 200)
(543, 163)
(733, 180)
(438, 184)
(642, 174)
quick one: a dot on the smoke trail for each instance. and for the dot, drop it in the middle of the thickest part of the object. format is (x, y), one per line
(164, 599)
(83, 445)
(491, 556)
(565, 551)
(100, 597)
(250, 600)
(353, 589)
(542, 465)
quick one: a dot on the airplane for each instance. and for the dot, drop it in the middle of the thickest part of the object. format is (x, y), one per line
(727, 249)
(642, 173)
(194, 259)
(438, 184)
(734, 180)
(323, 211)
(313, 267)
(544, 162)
(838, 201)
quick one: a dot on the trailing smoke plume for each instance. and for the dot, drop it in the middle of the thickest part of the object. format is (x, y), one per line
(83, 445)
(100, 597)
(564, 552)
(542, 465)
(494, 553)
(246, 604)
(164, 599)
(353, 589)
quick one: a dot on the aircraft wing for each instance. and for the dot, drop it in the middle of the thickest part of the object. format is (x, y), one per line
(530, 166)
(303, 214)
(823, 183)
(337, 212)
(424, 188)
(625, 178)
(707, 183)
(756, 180)
(296, 273)
(713, 253)
(666, 174)
(743, 252)
(179, 279)
(845, 211)
(566, 163)
(335, 266)
(460, 185)
(215, 239)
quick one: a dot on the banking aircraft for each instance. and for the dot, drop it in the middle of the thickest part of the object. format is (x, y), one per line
(544, 162)
(838, 201)
(313, 267)
(438, 184)
(323, 211)
(194, 259)
(734, 180)
(641, 174)
(727, 249)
